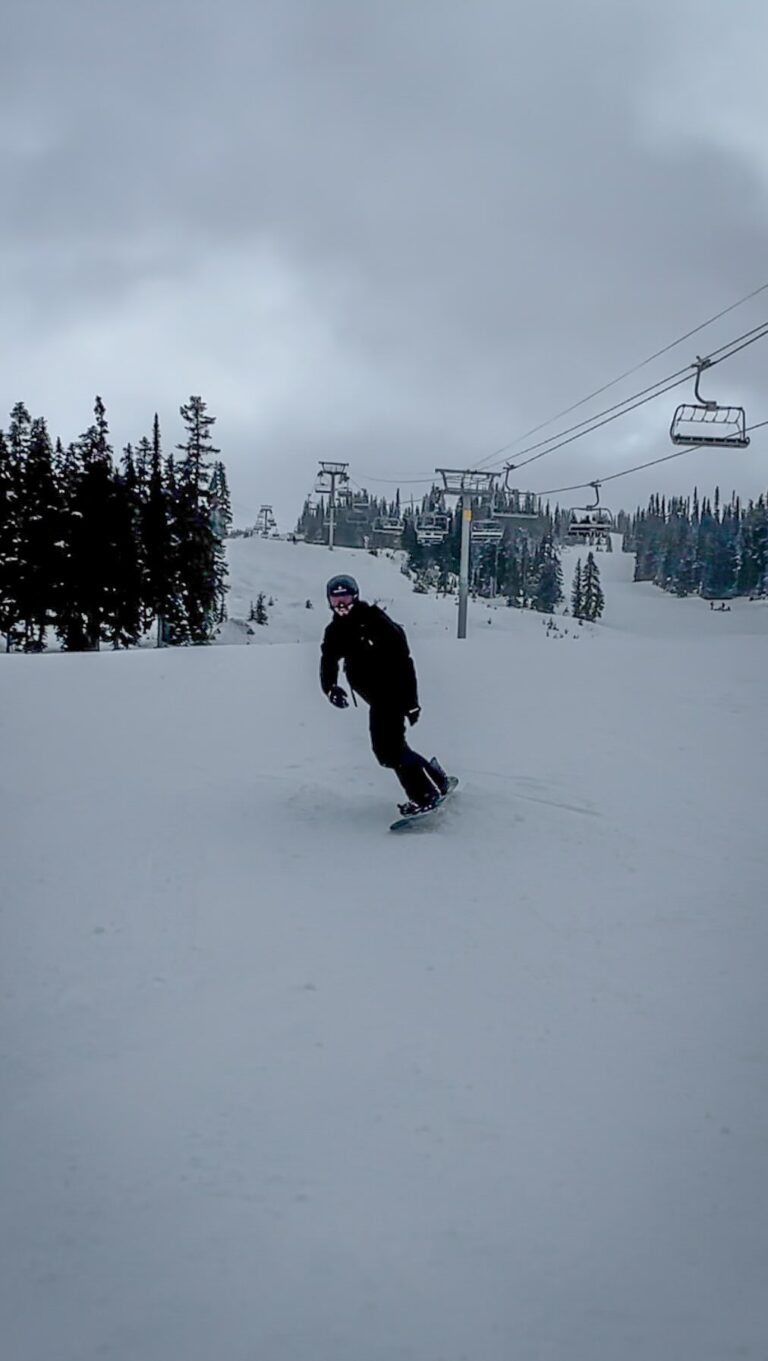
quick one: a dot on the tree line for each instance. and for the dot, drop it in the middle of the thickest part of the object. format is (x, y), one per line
(101, 550)
(706, 548)
(357, 516)
(524, 566)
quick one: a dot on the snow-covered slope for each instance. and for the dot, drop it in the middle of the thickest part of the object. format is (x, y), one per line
(277, 1084)
(291, 574)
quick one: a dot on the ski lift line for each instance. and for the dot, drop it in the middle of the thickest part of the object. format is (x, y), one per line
(607, 421)
(582, 486)
(399, 481)
(621, 408)
(647, 394)
(628, 404)
(626, 409)
(673, 379)
(627, 374)
(612, 413)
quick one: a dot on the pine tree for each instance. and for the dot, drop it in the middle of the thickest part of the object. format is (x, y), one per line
(14, 459)
(686, 575)
(173, 625)
(159, 593)
(721, 564)
(548, 577)
(123, 620)
(40, 555)
(593, 600)
(221, 521)
(577, 592)
(197, 449)
(260, 615)
(753, 550)
(19, 433)
(199, 572)
(142, 461)
(10, 489)
(91, 554)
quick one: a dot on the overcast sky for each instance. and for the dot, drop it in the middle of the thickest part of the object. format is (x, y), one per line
(394, 232)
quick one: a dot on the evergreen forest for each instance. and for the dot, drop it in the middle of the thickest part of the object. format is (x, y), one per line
(706, 548)
(97, 549)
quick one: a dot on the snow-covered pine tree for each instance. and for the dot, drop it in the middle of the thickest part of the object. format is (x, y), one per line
(548, 577)
(221, 521)
(19, 433)
(10, 473)
(686, 580)
(15, 460)
(142, 462)
(260, 615)
(593, 600)
(753, 549)
(521, 569)
(195, 536)
(172, 619)
(720, 568)
(198, 450)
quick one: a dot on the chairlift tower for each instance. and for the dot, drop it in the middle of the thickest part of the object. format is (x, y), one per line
(328, 476)
(266, 520)
(468, 485)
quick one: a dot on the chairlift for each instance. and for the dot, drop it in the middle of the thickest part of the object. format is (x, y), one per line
(432, 528)
(589, 522)
(703, 422)
(514, 504)
(390, 525)
(359, 509)
(487, 531)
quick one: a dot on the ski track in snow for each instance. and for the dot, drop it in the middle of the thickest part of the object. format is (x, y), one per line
(280, 1085)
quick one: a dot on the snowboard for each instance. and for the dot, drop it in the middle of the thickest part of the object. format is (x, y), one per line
(414, 819)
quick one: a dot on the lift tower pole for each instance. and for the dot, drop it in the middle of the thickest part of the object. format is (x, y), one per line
(333, 473)
(467, 484)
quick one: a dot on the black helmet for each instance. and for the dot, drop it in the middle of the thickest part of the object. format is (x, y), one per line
(342, 585)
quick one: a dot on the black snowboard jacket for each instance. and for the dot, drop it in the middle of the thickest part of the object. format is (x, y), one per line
(377, 661)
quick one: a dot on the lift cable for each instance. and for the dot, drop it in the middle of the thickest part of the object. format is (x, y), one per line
(583, 486)
(627, 374)
(641, 398)
(585, 427)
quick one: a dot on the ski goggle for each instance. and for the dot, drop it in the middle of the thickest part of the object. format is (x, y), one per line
(342, 603)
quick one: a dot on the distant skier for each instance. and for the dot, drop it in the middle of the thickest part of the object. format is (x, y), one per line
(379, 668)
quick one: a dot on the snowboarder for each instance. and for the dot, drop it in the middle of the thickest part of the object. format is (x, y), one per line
(379, 668)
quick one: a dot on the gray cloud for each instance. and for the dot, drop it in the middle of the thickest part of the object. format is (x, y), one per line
(397, 233)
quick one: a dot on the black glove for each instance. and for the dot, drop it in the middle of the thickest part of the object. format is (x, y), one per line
(413, 715)
(338, 696)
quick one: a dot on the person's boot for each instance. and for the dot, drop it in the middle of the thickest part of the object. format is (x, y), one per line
(410, 808)
(422, 785)
(441, 779)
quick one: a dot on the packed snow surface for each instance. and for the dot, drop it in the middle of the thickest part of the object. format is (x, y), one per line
(278, 1085)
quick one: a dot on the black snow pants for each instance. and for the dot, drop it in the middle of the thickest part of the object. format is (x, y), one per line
(387, 725)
